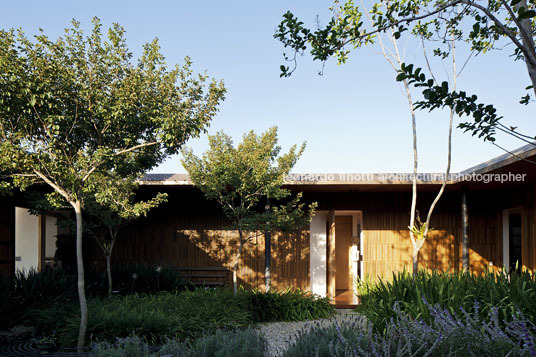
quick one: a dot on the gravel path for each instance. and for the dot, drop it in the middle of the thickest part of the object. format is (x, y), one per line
(279, 335)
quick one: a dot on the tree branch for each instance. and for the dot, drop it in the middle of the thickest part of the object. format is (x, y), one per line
(54, 186)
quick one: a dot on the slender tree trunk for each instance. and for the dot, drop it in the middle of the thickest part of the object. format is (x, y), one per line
(413, 209)
(109, 271)
(237, 260)
(77, 205)
(417, 245)
(267, 253)
(449, 148)
(527, 38)
(108, 253)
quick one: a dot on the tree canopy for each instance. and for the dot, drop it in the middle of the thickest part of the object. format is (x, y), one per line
(483, 26)
(77, 110)
(242, 178)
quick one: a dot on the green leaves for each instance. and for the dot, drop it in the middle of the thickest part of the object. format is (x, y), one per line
(485, 117)
(241, 178)
(78, 106)
(525, 14)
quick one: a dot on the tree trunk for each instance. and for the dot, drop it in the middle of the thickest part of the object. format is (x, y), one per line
(267, 258)
(237, 260)
(415, 258)
(267, 253)
(417, 245)
(77, 205)
(526, 33)
(109, 271)
(108, 253)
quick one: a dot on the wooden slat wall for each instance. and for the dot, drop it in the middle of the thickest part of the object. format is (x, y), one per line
(7, 238)
(191, 232)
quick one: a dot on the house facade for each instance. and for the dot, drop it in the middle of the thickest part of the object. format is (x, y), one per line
(360, 229)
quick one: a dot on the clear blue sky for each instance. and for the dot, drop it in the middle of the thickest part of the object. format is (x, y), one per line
(354, 118)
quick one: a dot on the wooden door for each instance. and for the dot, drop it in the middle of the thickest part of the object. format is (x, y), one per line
(343, 244)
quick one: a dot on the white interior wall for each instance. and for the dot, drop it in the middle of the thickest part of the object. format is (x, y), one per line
(317, 257)
(26, 240)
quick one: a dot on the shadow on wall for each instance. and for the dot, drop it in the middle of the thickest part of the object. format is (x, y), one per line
(290, 256)
(390, 251)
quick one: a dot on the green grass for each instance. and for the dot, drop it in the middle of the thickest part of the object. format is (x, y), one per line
(180, 316)
(451, 291)
(286, 305)
(155, 318)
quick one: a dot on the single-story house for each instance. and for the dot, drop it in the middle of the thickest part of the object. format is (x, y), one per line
(360, 228)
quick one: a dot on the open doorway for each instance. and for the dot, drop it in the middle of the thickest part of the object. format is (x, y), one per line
(346, 258)
(512, 239)
(343, 248)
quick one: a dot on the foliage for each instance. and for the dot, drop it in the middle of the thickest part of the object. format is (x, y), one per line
(25, 294)
(32, 297)
(131, 346)
(241, 178)
(445, 335)
(451, 291)
(237, 343)
(483, 26)
(78, 105)
(137, 279)
(75, 110)
(485, 122)
(286, 305)
(156, 318)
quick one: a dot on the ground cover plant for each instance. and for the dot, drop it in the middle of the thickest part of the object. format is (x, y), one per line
(157, 317)
(451, 291)
(286, 305)
(237, 343)
(446, 334)
(24, 296)
(152, 302)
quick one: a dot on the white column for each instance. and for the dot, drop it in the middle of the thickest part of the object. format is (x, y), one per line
(317, 256)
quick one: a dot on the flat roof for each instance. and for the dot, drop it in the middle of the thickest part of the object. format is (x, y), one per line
(518, 154)
(374, 179)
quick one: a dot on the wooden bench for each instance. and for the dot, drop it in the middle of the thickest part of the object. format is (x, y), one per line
(206, 276)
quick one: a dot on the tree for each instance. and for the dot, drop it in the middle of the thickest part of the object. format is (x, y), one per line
(75, 110)
(484, 26)
(241, 178)
(331, 40)
(107, 211)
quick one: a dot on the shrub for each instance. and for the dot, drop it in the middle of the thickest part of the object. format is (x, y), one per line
(446, 335)
(131, 346)
(27, 296)
(156, 318)
(451, 291)
(26, 293)
(136, 279)
(287, 305)
(238, 343)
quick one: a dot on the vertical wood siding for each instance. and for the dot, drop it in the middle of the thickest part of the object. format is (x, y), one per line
(191, 232)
